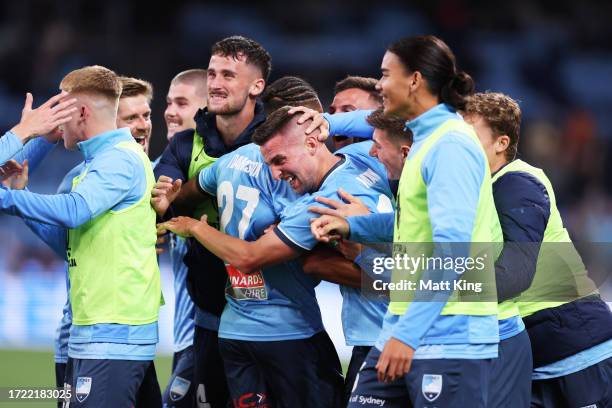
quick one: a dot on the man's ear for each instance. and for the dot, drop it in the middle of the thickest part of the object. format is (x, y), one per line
(84, 113)
(405, 149)
(502, 143)
(312, 143)
(257, 87)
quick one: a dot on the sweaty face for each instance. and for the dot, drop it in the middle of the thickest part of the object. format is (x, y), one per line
(388, 152)
(182, 104)
(394, 85)
(348, 101)
(229, 82)
(135, 113)
(289, 159)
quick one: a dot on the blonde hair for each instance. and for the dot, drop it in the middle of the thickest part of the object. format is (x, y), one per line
(93, 80)
(136, 87)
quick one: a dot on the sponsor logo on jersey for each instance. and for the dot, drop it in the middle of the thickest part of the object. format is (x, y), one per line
(244, 286)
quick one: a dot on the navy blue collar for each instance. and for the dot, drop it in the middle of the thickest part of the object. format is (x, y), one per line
(214, 146)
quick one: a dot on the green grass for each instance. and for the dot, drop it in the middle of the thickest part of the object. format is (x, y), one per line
(27, 368)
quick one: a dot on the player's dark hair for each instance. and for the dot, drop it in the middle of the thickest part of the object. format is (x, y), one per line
(502, 114)
(274, 122)
(358, 82)
(237, 46)
(290, 91)
(436, 62)
(393, 126)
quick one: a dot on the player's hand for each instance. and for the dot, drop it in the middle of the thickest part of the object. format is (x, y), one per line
(394, 361)
(318, 121)
(161, 240)
(349, 249)
(182, 226)
(328, 228)
(351, 206)
(45, 118)
(14, 175)
(164, 193)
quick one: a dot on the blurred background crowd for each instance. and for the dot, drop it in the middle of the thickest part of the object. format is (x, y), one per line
(554, 57)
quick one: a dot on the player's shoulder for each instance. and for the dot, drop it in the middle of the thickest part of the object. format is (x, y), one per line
(360, 173)
(359, 148)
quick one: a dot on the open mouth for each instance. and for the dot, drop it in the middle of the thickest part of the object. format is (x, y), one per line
(292, 180)
(141, 140)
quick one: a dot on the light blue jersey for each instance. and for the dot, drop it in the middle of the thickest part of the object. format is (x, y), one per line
(278, 302)
(115, 180)
(574, 363)
(361, 317)
(184, 309)
(10, 145)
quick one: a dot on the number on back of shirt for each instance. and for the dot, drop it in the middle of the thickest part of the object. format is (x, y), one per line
(225, 200)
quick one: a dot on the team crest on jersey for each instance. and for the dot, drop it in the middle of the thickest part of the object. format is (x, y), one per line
(83, 387)
(431, 386)
(179, 388)
(244, 286)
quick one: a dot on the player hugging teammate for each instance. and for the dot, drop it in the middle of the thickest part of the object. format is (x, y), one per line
(262, 211)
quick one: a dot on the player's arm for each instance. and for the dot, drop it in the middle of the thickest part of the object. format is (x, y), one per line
(189, 197)
(352, 124)
(453, 173)
(247, 256)
(524, 208)
(109, 180)
(328, 264)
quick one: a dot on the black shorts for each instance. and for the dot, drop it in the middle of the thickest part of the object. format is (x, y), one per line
(287, 373)
(180, 389)
(208, 373)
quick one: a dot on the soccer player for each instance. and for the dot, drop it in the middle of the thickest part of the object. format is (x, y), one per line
(352, 93)
(134, 110)
(186, 96)
(391, 144)
(309, 167)
(257, 345)
(236, 76)
(444, 196)
(290, 91)
(35, 122)
(111, 345)
(576, 368)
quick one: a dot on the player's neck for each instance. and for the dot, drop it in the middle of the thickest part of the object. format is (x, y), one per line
(328, 160)
(231, 126)
(95, 129)
(498, 163)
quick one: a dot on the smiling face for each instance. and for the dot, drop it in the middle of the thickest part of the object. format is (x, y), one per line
(135, 113)
(290, 154)
(347, 101)
(389, 153)
(230, 82)
(182, 104)
(395, 86)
